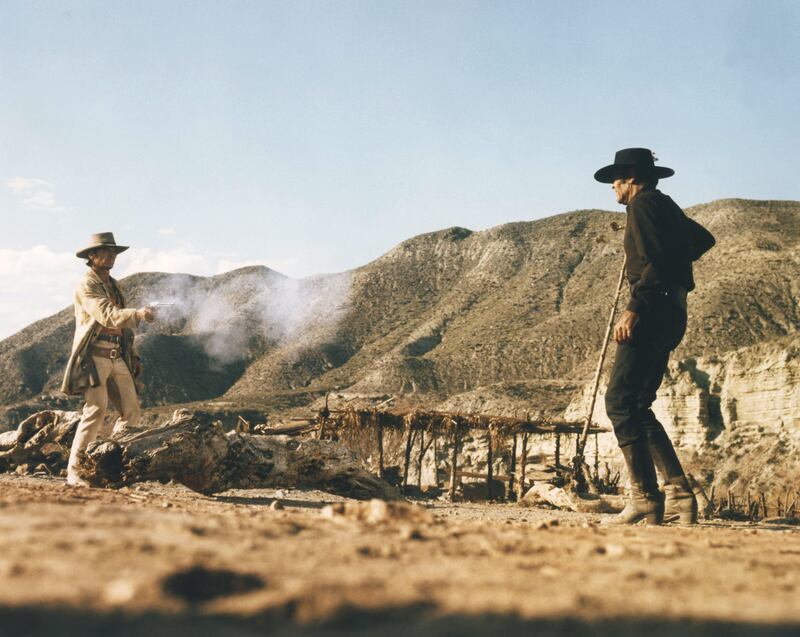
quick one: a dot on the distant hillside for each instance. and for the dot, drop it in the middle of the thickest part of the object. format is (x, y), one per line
(518, 306)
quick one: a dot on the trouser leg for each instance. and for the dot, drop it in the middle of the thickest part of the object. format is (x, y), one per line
(680, 504)
(635, 378)
(128, 399)
(661, 448)
(628, 405)
(94, 413)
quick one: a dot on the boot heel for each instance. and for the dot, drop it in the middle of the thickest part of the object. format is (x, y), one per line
(688, 516)
(680, 506)
(656, 517)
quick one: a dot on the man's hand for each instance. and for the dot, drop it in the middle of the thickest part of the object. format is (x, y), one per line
(146, 314)
(623, 331)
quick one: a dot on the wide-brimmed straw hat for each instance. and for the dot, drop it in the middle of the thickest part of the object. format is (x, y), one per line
(100, 240)
(640, 160)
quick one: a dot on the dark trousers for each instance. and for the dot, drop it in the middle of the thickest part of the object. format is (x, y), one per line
(639, 369)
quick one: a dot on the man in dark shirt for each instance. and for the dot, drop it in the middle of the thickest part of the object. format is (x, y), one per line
(660, 244)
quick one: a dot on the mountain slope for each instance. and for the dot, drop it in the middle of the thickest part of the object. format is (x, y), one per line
(451, 311)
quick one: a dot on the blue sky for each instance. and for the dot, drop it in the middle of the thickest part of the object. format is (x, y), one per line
(313, 136)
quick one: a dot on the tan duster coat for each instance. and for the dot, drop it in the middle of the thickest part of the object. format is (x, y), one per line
(94, 310)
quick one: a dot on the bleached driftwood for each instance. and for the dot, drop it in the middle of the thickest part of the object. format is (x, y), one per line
(40, 442)
(205, 458)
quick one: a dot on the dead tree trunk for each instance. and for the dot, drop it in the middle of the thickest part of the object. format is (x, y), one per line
(206, 459)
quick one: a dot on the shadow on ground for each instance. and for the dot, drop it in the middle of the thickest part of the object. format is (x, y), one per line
(418, 620)
(266, 501)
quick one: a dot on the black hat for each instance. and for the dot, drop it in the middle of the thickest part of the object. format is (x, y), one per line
(638, 159)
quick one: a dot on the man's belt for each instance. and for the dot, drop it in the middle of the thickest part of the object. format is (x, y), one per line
(111, 338)
(677, 294)
(107, 352)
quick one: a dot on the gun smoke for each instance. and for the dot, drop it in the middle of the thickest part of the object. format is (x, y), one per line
(236, 314)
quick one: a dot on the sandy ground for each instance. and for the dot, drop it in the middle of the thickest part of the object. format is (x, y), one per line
(161, 560)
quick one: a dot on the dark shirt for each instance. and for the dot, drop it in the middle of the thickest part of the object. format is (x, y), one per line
(660, 244)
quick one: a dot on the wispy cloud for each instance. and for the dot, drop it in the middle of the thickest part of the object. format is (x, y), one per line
(34, 194)
(34, 282)
(184, 260)
(21, 185)
(38, 281)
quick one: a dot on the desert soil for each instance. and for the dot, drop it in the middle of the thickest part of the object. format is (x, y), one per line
(161, 560)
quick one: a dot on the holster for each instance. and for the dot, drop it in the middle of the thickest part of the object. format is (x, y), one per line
(90, 370)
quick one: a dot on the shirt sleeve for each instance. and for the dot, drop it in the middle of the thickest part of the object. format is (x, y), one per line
(649, 240)
(96, 304)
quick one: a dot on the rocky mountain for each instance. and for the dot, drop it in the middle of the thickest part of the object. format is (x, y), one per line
(502, 320)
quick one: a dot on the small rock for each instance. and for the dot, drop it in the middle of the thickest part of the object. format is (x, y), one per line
(611, 550)
(411, 533)
(11, 569)
(280, 493)
(367, 551)
(331, 511)
(546, 494)
(378, 512)
(670, 549)
(276, 505)
(119, 591)
(389, 552)
(166, 505)
(21, 470)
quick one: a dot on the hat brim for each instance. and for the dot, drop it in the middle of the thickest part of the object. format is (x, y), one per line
(82, 254)
(607, 174)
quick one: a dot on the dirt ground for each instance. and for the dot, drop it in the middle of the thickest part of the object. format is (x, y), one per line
(162, 560)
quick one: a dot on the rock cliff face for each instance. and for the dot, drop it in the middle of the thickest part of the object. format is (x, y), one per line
(733, 417)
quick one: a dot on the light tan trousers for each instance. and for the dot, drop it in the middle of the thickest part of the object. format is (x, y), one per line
(94, 410)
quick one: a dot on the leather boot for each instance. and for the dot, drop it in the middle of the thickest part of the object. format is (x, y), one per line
(680, 503)
(644, 498)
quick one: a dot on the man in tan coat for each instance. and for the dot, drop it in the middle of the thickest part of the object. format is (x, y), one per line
(103, 363)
